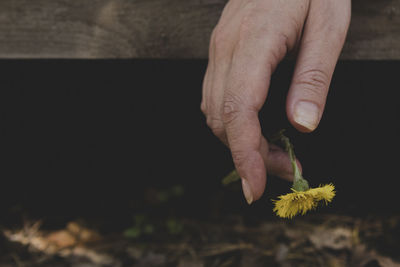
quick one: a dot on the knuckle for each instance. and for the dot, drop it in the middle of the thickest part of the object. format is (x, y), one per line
(213, 33)
(216, 126)
(221, 43)
(230, 108)
(314, 80)
(220, 38)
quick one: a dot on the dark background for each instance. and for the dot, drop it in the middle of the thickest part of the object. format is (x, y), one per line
(90, 137)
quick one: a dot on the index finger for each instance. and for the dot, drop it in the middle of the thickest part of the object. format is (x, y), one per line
(245, 94)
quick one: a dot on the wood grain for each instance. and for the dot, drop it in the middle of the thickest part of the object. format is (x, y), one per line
(159, 29)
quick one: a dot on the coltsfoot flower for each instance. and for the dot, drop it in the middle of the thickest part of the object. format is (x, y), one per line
(303, 198)
(299, 202)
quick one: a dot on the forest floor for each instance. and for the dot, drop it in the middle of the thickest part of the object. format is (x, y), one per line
(160, 233)
(314, 240)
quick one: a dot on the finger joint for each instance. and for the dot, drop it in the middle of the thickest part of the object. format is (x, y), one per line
(313, 80)
(230, 109)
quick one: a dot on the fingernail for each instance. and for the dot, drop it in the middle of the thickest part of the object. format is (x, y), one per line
(306, 114)
(247, 191)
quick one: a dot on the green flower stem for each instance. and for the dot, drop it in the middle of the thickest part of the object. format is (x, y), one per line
(299, 183)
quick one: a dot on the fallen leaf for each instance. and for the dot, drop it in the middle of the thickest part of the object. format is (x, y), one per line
(332, 238)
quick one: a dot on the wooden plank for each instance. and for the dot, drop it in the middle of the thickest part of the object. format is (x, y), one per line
(374, 30)
(159, 29)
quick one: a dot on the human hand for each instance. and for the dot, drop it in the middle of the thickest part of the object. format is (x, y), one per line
(247, 44)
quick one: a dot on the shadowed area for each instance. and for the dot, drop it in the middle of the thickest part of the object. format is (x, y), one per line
(96, 152)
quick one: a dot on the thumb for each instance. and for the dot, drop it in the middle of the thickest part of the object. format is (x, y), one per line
(320, 48)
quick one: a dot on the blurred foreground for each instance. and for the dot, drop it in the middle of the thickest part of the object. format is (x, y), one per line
(316, 240)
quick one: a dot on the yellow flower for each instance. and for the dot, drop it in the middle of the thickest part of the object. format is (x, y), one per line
(297, 202)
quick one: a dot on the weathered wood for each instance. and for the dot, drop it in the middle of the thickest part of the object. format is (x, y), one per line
(159, 29)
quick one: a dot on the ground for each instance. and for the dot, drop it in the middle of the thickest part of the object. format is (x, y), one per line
(153, 238)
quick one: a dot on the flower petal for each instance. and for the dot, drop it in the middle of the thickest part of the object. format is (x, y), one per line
(299, 202)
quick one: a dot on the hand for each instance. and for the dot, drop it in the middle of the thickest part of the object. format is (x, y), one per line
(250, 39)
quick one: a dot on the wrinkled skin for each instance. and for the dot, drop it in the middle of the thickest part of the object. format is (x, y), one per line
(250, 39)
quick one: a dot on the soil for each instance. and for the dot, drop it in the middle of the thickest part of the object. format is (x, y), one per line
(163, 232)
